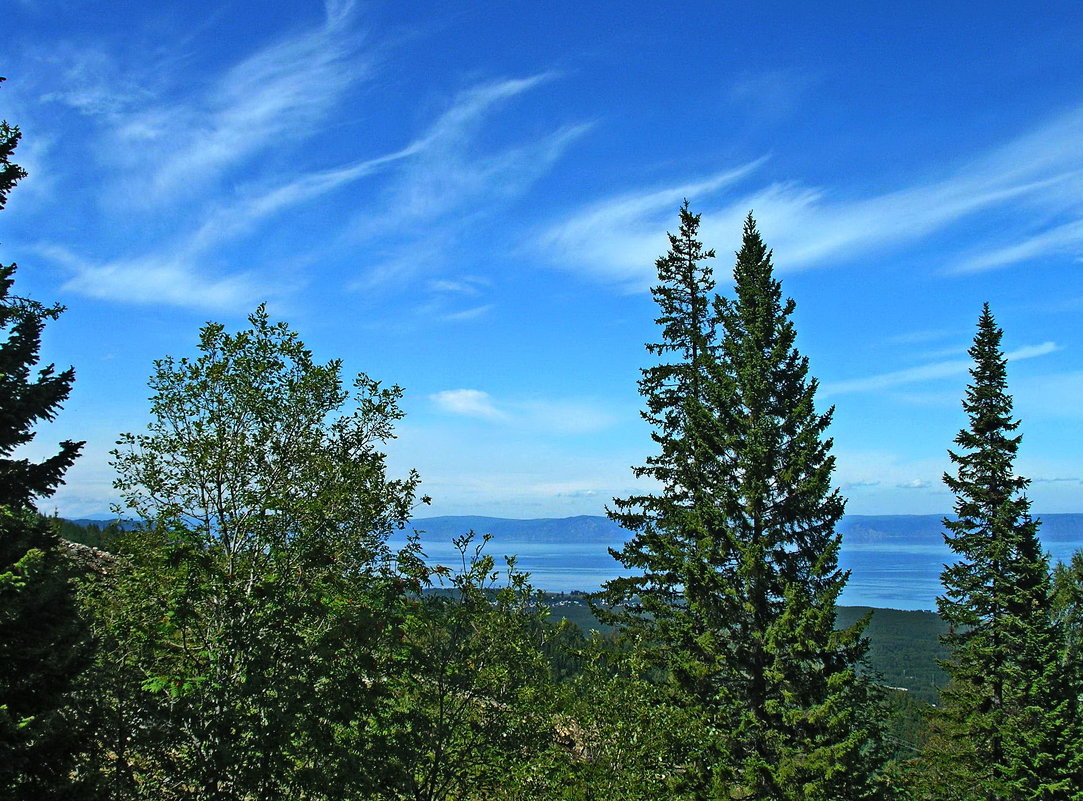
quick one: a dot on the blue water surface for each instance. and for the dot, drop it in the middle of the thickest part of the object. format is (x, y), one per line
(894, 561)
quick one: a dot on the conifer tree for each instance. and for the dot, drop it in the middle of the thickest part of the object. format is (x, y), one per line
(42, 639)
(1005, 726)
(738, 552)
(668, 527)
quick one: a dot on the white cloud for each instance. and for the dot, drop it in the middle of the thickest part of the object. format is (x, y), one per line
(915, 483)
(93, 84)
(449, 170)
(572, 417)
(1063, 239)
(436, 173)
(852, 485)
(157, 281)
(467, 285)
(170, 149)
(237, 218)
(468, 314)
(926, 372)
(1031, 351)
(618, 238)
(468, 403)
(174, 148)
(452, 180)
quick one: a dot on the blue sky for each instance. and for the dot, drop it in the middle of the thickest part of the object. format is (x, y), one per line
(467, 199)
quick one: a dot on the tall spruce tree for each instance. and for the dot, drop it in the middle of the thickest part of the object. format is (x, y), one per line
(42, 639)
(736, 557)
(1005, 727)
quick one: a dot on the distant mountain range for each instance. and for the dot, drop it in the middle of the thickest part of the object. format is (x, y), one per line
(582, 528)
(855, 529)
(1056, 529)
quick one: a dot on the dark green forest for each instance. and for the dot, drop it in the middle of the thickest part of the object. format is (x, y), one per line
(250, 633)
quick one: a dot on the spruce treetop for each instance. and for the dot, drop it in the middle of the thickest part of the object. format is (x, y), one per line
(10, 172)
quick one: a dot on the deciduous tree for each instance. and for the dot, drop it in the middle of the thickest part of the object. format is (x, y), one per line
(473, 695)
(263, 598)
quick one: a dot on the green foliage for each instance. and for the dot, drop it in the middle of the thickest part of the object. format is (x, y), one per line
(906, 722)
(103, 537)
(43, 652)
(1067, 603)
(251, 637)
(28, 399)
(904, 648)
(1006, 727)
(628, 734)
(736, 558)
(473, 696)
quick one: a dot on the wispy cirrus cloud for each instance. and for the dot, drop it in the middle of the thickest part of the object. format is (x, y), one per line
(93, 83)
(453, 300)
(553, 416)
(614, 237)
(470, 313)
(180, 167)
(156, 279)
(175, 271)
(449, 166)
(1041, 173)
(1063, 239)
(453, 179)
(431, 175)
(175, 147)
(925, 372)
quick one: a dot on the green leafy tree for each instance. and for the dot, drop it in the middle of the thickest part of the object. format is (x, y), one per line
(736, 556)
(43, 641)
(1005, 727)
(628, 736)
(251, 636)
(474, 695)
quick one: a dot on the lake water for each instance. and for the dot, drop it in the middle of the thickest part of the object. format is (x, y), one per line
(894, 561)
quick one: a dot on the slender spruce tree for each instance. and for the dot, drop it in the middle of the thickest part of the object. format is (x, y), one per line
(668, 527)
(736, 556)
(42, 638)
(1005, 728)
